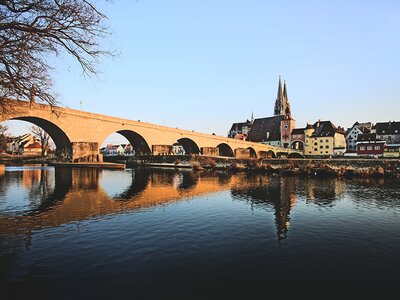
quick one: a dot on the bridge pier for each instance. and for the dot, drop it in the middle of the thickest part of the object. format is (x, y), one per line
(211, 151)
(86, 152)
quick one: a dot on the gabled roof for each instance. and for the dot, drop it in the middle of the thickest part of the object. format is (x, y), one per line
(298, 131)
(367, 137)
(266, 129)
(239, 126)
(388, 128)
(325, 128)
(34, 145)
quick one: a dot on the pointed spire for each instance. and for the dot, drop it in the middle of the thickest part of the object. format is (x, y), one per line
(285, 103)
(252, 117)
(279, 94)
(279, 99)
(285, 91)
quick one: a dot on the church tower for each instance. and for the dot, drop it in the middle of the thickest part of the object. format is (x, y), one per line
(282, 105)
(282, 109)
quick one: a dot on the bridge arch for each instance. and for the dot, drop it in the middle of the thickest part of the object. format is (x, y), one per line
(225, 150)
(137, 141)
(189, 145)
(253, 153)
(59, 137)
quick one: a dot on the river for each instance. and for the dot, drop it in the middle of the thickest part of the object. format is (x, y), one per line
(149, 233)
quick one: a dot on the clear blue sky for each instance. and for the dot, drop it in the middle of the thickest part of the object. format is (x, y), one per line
(203, 65)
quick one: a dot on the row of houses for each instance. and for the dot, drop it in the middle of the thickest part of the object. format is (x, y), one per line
(25, 144)
(367, 139)
(322, 138)
(128, 150)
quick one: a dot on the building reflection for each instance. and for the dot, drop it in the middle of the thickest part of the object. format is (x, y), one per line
(276, 192)
(62, 195)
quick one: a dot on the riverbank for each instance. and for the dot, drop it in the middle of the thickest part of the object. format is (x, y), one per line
(338, 167)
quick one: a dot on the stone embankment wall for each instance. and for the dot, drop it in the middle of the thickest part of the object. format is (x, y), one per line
(303, 167)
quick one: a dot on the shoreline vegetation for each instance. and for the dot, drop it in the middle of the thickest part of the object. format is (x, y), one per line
(334, 167)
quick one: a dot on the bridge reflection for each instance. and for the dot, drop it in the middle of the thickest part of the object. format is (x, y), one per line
(59, 196)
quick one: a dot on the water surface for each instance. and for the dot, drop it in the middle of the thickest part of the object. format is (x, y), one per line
(152, 233)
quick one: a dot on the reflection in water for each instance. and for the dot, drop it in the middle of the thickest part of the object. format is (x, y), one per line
(128, 237)
(61, 195)
(275, 191)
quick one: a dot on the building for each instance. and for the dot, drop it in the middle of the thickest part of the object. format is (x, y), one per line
(17, 145)
(298, 137)
(324, 139)
(177, 149)
(275, 130)
(389, 132)
(391, 151)
(354, 132)
(240, 130)
(369, 145)
(34, 149)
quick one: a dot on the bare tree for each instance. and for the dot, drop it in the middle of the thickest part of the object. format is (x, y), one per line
(42, 136)
(3, 137)
(33, 30)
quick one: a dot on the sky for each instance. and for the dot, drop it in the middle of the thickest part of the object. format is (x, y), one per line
(202, 65)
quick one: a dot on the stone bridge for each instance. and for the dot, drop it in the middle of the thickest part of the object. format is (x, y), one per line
(78, 134)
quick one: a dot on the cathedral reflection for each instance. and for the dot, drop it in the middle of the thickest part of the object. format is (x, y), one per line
(276, 192)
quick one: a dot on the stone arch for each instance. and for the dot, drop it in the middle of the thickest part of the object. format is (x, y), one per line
(189, 145)
(253, 153)
(59, 137)
(281, 155)
(137, 141)
(225, 150)
(297, 145)
(266, 154)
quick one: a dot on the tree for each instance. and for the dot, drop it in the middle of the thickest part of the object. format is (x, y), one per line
(33, 30)
(42, 136)
(3, 137)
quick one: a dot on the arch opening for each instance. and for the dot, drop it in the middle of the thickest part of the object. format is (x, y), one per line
(225, 150)
(189, 146)
(63, 147)
(253, 153)
(298, 145)
(125, 143)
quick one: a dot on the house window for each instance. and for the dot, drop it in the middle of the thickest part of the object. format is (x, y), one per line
(362, 148)
(315, 144)
(377, 147)
(321, 147)
(327, 141)
(369, 148)
(396, 131)
(327, 146)
(383, 131)
(315, 149)
(326, 151)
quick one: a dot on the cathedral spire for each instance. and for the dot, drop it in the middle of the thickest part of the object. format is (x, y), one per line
(286, 104)
(279, 99)
(279, 94)
(282, 106)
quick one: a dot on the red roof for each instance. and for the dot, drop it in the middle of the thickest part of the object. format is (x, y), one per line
(35, 145)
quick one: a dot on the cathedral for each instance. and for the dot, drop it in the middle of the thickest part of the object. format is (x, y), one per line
(275, 130)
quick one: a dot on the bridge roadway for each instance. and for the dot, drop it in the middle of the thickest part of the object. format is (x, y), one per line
(79, 134)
